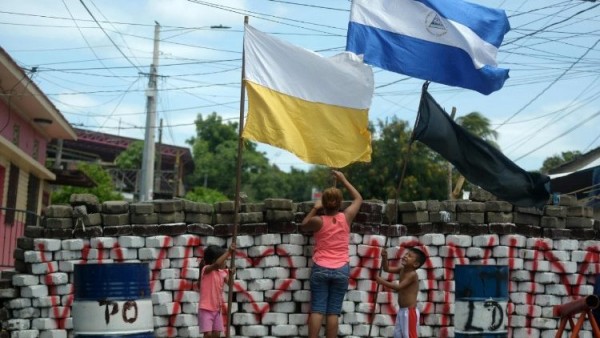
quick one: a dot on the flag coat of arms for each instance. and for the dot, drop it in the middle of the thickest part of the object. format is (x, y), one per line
(452, 42)
(312, 106)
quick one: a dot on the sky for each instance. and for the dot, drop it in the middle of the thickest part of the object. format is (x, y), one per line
(92, 59)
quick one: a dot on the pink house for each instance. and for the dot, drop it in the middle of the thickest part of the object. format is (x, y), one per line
(28, 121)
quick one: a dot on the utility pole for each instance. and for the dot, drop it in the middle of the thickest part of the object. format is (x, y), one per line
(158, 174)
(147, 184)
(58, 157)
(450, 164)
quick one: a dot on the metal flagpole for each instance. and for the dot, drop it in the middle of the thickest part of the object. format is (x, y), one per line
(237, 188)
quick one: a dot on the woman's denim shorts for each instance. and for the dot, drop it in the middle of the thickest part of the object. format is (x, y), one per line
(328, 288)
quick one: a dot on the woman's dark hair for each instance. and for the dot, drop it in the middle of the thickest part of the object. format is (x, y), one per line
(211, 253)
(332, 199)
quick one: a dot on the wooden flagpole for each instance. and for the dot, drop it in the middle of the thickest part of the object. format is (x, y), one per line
(406, 159)
(238, 182)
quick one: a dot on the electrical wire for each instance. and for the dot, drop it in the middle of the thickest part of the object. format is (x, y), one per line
(549, 85)
(575, 127)
(115, 29)
(108, 36)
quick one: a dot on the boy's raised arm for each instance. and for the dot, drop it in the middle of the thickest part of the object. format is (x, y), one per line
(385, 264)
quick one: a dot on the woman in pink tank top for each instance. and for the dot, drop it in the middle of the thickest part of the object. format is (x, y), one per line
(330, 271)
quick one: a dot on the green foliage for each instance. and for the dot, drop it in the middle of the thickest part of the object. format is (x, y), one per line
(132, 157)
(425, 171)
(215, 154)
(215, 148)
(205, 195)
(479, 125)
(558, 159)
(104, 190)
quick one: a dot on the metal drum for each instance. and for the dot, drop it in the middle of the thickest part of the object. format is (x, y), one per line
(596, 311)
(481, 300)
(112, 300)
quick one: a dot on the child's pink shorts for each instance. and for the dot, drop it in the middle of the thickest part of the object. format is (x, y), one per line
(210, 321)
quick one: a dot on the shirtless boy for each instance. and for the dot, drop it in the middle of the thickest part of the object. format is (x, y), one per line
(407, 319)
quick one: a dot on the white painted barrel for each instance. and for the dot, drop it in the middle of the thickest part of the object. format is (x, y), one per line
(112, 300)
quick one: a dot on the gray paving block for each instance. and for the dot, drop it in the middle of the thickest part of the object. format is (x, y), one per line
(141, 208)
(555, 211)
(499, 217)
(171, 217)
(115, 219)
(415, 217)
(115, 207)
(59, 211)
(553, 222)
(59, 223)
(168, 206)
(198, 218)
(498, 206)
(580, 222)
(143, 219)
(470, 217)
(279, 215)
(412, 206)
(278, 204)
(470, 207)
(225, 207)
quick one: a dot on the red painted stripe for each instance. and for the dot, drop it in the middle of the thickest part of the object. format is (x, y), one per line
(413, 323)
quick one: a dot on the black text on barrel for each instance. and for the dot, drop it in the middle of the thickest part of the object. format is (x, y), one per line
(481, 298)
(112, 300)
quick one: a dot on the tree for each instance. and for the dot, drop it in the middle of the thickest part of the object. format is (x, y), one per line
(479, 125)
(205, 195)
(105, 188)
(425, 172)
(215, 149)
(132, 157)
(558, 159)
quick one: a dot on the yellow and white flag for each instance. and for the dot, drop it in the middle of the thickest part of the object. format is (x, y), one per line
(312, 106)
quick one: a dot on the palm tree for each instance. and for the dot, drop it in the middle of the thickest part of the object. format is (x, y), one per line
(479, 125)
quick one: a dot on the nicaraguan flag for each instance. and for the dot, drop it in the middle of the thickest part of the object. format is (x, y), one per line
(312, 106)
(446, 41)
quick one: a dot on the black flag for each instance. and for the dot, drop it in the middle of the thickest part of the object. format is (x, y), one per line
(478, 161)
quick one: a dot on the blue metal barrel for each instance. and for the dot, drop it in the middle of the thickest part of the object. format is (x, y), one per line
(112, 300)
(596, 311)
(481, 298)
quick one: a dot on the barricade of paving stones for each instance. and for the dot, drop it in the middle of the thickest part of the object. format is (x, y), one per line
(272, 295)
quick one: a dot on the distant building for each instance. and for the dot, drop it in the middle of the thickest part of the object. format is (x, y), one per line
(28, 121)
(91, 146)
(580, 177)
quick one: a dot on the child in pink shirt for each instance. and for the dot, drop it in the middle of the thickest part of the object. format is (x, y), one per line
(213, 276)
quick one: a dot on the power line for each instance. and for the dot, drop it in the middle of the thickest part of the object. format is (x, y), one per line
(265, 16)
(550, 84)
(44, 69)
(559, 136)
(311, 6)
(109, 38)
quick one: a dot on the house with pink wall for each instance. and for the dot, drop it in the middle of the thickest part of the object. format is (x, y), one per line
(28, 122)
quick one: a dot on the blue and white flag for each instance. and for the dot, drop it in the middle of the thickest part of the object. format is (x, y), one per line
(452, 42)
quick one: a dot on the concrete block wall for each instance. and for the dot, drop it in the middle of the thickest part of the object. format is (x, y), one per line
(273, 263)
